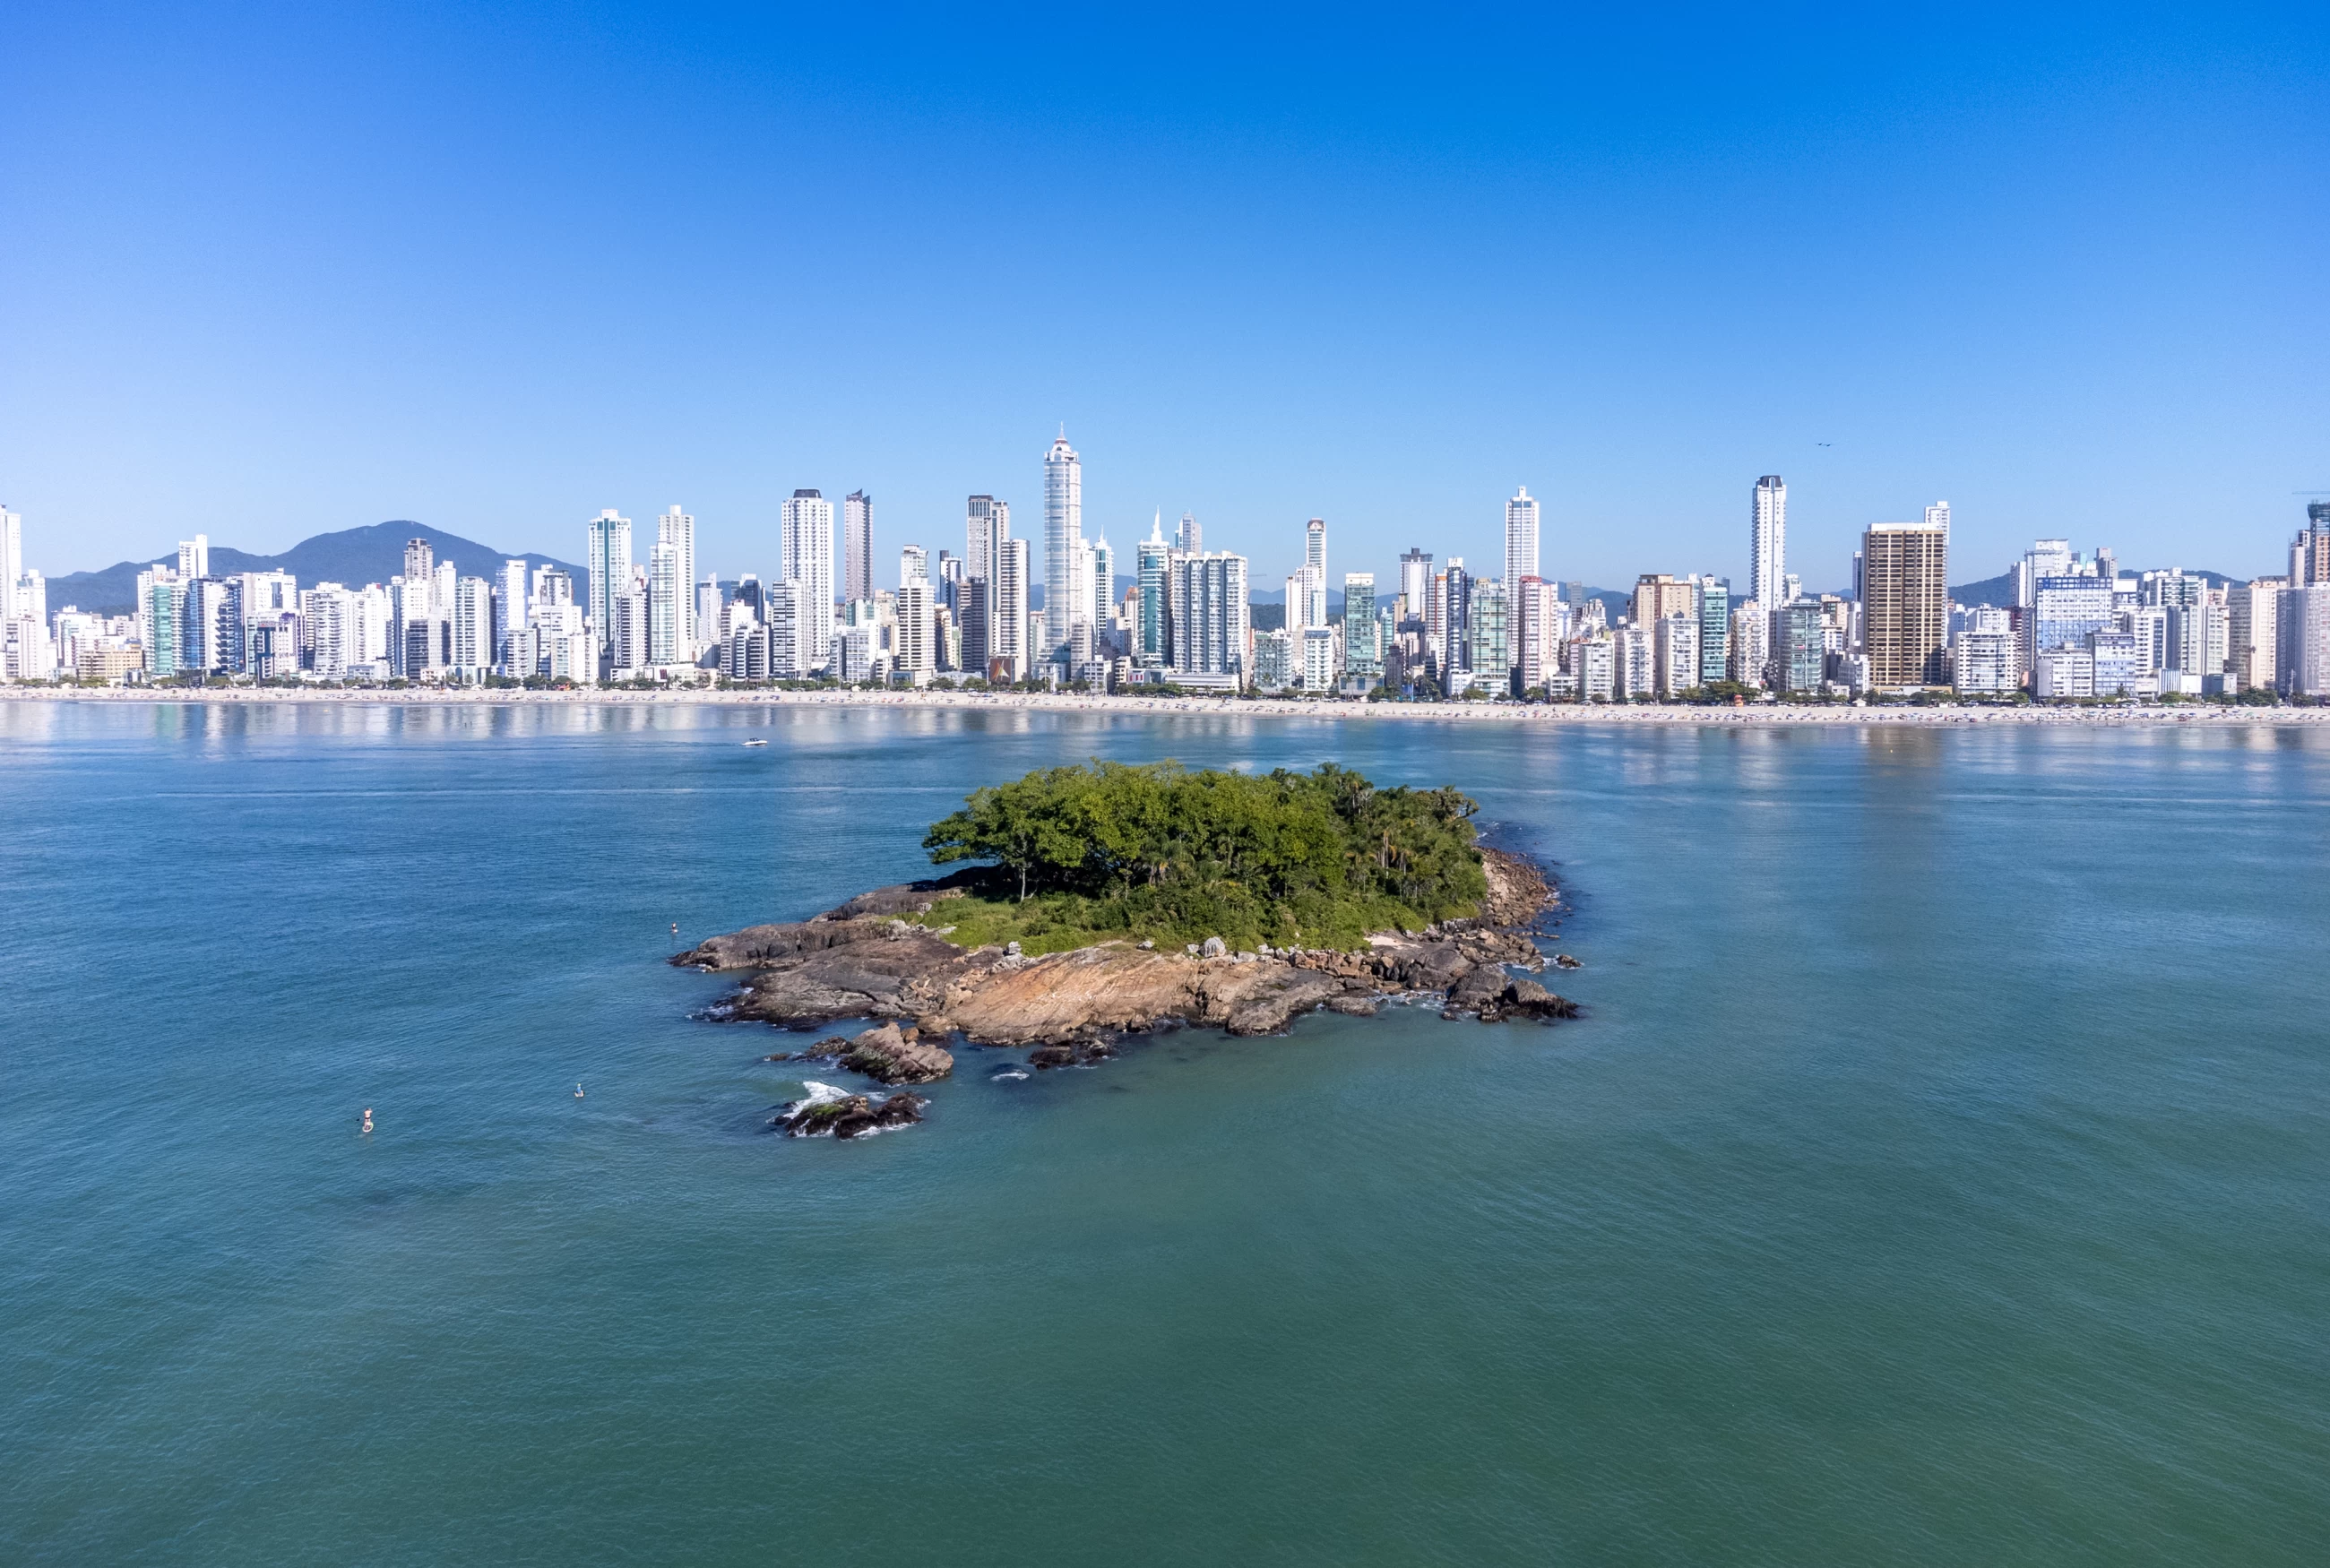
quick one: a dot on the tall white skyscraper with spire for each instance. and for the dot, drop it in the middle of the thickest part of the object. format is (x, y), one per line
(1521, 540)
(805, 546)
(1768, 553)
(1063, 532)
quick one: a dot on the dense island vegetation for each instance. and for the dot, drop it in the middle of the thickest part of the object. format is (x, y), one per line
(1080, 855)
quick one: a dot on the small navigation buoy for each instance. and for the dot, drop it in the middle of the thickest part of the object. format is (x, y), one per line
(578, 1092)
(675, 928)
(367, 1122)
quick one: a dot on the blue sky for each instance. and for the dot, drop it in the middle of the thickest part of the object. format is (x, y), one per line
(278, 270)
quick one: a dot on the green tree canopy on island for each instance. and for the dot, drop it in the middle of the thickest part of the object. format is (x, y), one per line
(1321, 858)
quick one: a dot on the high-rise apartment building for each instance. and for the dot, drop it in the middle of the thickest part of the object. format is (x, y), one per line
(194, 558)
(784, 605)
(1538, 619)
(1658, 595)
(2063, 610)
(1749, 658)
(420, 571)
(1063, 532)
(1905, 602)
(609, 563)
(12, 561)
(668, 604)
(1306, 601)
(806, 546)
(1768, 568)
(986, 520)
(2309, 555)
(913, 650)
(511, 601)
(1320, 675)
(858, 546)
(1151, 640)
(1799, 647)
(1009, 654)
(1416, 580)
(676, 529)
(2046, 558)
(1713, 607)
(1362, 639)
(471, 615)
(2253, 630)
(977, 611)
(1491, 660)
(1314, 548)
(1455, 594)
(1190, 539)
(1521, 538)
(1984, 656)
(1209, 611)
(1102, 589)
(1937, 516)
(2303, 661)
(1675, 654)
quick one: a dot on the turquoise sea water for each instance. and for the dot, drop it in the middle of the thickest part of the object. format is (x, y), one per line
(1942, 1176)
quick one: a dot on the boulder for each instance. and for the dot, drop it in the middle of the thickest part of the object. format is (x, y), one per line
(1069, 1053)
(1479, 990)
(1530, 1000)
(825, 1050)
(848, 1116)
(887, 1056)
(1214, 947)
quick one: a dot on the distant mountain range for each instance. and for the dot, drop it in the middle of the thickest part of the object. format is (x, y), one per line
(1999, 592)
(354, 556)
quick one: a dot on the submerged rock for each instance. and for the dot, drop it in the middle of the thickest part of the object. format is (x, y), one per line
(826, 1111)
(1077, 1053)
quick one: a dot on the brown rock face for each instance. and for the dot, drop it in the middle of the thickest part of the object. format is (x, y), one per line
(887, 1056)
(1517, 891)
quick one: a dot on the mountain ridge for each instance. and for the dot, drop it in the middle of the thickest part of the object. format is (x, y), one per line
(353, 556)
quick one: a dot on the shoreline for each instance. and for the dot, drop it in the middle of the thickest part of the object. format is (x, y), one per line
(1542, 713)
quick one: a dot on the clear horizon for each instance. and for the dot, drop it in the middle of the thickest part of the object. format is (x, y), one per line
(280, 275)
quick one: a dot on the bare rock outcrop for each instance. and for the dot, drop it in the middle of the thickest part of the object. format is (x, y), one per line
(891, 1055)
(1518, 890)
(862, 961)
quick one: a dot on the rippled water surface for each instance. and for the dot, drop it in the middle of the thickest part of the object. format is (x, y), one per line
(1942, 1176)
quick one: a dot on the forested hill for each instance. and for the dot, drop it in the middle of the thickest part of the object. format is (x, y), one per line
(354, 556)
(1079, 854)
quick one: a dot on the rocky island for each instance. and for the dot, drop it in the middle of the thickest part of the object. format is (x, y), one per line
(1109, 899)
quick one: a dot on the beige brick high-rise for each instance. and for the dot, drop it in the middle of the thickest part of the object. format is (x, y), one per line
(1905, 604)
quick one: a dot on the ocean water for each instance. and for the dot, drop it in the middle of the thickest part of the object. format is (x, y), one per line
(1941, 1176)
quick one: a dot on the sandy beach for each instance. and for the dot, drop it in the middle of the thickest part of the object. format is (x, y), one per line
(1250, 707)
